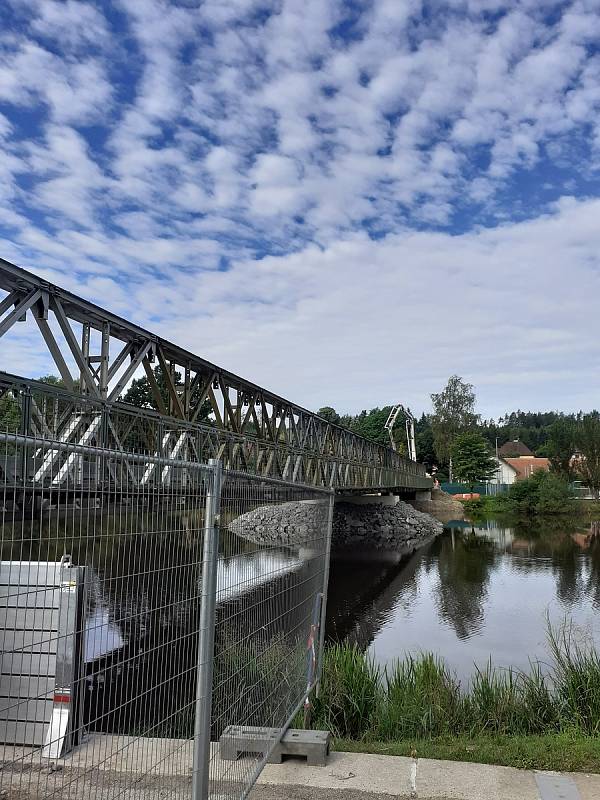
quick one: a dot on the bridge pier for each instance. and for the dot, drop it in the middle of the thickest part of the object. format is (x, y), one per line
(387, 500)
(379, 528)
(390, 499)
(423, 496)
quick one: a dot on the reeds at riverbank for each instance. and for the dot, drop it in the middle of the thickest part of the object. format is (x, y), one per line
(418, 697)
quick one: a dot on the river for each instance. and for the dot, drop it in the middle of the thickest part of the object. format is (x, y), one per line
(477, 592)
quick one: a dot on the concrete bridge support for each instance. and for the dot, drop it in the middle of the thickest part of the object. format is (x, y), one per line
(386, 498)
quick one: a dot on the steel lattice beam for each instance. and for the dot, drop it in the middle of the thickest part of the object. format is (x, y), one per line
(250, 428)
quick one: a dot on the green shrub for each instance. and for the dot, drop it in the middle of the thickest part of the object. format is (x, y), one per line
(544, 493)
(476, 508)
(555, 495)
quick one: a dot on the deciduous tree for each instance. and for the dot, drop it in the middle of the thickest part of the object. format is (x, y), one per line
(587, 440)
(560, 447)
(140, 394)
(330, 414)
(453, 414)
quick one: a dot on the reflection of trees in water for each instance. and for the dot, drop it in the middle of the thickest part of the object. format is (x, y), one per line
(464, 563)
(460, 563)
(556, 544)
(566, 567)
(592, 583)
(564, 548)
(362, 596)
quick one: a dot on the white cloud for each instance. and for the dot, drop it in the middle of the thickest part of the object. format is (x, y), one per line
(362, 323)
(370, 322)
(145, 155)
(73, 91)
(70, 22)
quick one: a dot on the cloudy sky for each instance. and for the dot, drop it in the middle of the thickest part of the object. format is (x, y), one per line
(344, 201)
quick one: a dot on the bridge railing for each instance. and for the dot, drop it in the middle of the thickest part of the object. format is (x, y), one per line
(97, 354)
(158, 614)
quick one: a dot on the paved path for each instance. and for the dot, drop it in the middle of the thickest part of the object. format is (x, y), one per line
(103, 768)
(355, 776)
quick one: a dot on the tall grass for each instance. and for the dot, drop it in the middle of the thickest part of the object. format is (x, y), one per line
(577, 680)
(419, 697)
(350, 692)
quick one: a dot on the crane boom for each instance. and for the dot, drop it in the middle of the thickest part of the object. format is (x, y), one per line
(409, 425)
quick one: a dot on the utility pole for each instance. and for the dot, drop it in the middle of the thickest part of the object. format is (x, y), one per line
(498, 475)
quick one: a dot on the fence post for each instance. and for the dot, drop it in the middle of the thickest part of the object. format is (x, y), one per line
(325, 585)
(25, 430)
(206, 636)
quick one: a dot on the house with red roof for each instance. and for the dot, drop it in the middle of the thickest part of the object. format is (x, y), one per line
(516, 462)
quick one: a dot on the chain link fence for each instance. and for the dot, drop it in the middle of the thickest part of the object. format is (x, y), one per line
(151, 608)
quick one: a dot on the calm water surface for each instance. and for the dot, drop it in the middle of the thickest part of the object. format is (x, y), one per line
(477, 591)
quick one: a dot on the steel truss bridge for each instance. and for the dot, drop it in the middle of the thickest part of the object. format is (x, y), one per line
(200, 410)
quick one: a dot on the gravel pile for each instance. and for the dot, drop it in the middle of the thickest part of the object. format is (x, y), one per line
(375, 527)
(399, 527)
(294, 523)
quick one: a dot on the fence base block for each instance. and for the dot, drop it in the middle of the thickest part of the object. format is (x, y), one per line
(312, 745)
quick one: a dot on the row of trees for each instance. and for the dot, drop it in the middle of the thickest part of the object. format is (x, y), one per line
(453, 414)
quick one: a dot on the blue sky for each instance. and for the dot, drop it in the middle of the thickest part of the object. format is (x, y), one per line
(344, 201)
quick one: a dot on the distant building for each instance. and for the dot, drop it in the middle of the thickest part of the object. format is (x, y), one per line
(525, 466)
(504, 472)
(514, 449)
(516, 469)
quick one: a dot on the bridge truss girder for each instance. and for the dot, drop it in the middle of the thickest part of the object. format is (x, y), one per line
(98, 353)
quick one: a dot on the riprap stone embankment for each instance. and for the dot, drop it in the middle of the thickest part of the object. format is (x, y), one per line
(363, 531)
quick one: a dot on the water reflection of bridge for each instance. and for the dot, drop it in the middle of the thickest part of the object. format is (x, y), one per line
(361, 595)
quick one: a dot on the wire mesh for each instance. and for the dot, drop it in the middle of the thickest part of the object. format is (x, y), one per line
(272, 568)
(99, 608)
(101, 582)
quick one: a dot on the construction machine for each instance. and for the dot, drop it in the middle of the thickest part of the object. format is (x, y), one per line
(409, 423)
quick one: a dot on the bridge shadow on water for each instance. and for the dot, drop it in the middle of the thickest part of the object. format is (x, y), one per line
(362, 594)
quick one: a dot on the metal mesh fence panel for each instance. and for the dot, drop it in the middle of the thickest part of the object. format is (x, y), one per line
(272, 575)
(100, 588)
(108, 588)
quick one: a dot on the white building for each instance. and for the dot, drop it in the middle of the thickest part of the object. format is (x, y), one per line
(504, 472)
